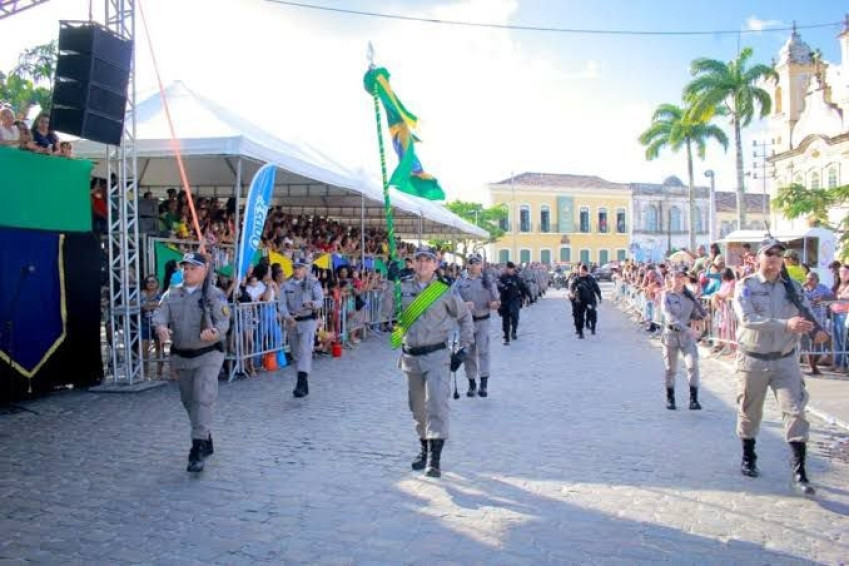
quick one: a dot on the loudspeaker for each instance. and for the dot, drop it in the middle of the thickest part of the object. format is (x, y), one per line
(90, 88)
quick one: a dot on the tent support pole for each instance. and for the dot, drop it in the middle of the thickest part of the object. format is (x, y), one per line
(238, 366)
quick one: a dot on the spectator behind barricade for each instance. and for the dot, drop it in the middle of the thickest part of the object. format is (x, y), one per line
(700, 259)
(66, 149)
(834, 268)
(791, 262)
(726, 288)
(43, 136)
(173, 275)
(25, 140)
(99, 206)
(10, 133)
(150, 298)
(713, 277)
(816, 293)
(839, 310)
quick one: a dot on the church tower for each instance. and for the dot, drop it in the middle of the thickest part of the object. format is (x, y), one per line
(795, 67)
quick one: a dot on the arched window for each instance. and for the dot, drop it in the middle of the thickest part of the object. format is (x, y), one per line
(675, 219)
(621, 254)
(777, 100)
(504, 222)
(524, 218)
(697, 221)
(585, 220)
(503, 256)
(545, 256)
(651, 219)
(602, 221)
(545, 219)
(525, 256)
(832, 177)
(603, 257)
(585, 257)
(815, 180)
(566, 254)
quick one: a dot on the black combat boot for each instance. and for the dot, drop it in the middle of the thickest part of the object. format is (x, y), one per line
(435, 454)
(514, 336)
(694, 399)
(748, 467)
(800, 478)
(301, 389)
(482, 391)
(670, 398)
(207, 447)
(473, 387)
(421, 459)
(506, 341)
(196, 456)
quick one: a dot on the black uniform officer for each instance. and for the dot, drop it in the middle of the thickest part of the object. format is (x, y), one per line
(584, 289)
(512, 290)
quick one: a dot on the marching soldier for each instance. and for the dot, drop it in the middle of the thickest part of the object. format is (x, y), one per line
(679, 307)
(428, 319)
(195, 318)
(583, 290)
(300, 300)
(771, 311)
(512, 291)
(480, 295)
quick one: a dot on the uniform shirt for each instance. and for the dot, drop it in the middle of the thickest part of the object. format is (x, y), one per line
(295, 293)
(183, 311)
(472, 290)
(438, 322)
(677, 311)
(512, 288)
(762, 310)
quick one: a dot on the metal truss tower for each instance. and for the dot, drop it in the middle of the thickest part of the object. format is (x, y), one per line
(123, 238)
(12, 7)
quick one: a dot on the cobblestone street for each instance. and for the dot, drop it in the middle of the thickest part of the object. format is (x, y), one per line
(573, 459)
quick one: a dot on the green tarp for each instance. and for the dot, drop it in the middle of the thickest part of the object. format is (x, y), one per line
(44, 192)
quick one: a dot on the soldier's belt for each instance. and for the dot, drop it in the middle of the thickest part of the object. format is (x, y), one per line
(423, 350)
(481, 317)
(312, 316)
(189, 354)
(768, 356)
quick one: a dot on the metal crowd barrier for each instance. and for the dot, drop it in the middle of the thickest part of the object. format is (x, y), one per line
(719, 329)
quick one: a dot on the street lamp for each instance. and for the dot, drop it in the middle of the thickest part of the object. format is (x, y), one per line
(712, 206)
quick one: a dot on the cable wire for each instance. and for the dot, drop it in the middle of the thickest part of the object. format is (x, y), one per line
(622, 32)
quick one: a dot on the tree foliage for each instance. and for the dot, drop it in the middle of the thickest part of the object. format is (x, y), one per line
(30, 82)
(488, 219)
(796, 201)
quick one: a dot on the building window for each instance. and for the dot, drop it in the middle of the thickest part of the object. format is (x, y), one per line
(566, 254)
(621, 255)
(815, 181)
(545, 219)
(504, 223)
(621, 228)
(545, 256)
(503, 256)
(675, 219)
(697, 221)
(777, 100)
(585, 257)
(602, 221)
(651, 219)
(525, 256)
(585, 220)
(603, 257)
(832, 177)
(524, 218)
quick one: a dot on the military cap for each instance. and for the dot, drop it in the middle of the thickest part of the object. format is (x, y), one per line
(194, 258)
(475, 258)
(425, 250)
(769, 244)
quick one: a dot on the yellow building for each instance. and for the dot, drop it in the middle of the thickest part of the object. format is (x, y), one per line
(556, 218)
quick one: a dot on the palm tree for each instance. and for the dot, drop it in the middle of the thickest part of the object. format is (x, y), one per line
(733, 88)
(674, 127)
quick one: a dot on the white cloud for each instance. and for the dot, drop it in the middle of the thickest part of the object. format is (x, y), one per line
(755, 24)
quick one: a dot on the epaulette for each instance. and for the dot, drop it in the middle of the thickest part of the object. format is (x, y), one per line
(445, 280)
(408, 277)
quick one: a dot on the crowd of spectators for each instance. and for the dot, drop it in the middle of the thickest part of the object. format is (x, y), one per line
(37, 138)
(713, 281)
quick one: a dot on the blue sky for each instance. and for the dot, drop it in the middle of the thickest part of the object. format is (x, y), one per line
(491, 101)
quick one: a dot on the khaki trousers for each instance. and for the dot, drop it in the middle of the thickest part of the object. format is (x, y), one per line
(477, 364)
(199, 391)
(429, 391)
(673, 344)
(302, 341)
(784, 377)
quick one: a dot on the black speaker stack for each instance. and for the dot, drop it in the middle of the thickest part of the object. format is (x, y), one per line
(90, 88)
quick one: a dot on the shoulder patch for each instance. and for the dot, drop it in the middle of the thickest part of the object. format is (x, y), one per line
(225, 310)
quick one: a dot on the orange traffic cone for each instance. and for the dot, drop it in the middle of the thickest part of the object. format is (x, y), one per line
(269, 361)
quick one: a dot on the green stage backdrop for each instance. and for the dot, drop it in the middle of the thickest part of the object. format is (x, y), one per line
(45, 192)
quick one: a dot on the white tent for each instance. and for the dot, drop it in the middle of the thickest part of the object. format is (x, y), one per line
(222, 152)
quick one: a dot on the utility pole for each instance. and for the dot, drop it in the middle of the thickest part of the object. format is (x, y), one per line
(761, 158)
(518, 217)
(712, 231)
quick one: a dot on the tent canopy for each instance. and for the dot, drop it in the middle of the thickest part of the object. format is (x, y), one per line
(215, 143)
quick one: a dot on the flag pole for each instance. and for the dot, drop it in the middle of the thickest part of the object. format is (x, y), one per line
(387, 205)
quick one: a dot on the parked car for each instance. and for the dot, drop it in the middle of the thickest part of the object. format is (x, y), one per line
(605, 272)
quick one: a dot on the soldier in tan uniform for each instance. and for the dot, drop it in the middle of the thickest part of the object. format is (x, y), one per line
(769, 327)
(426, 358)
(300, 300)
(679, 307)
(480, 294)
(195, 318)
